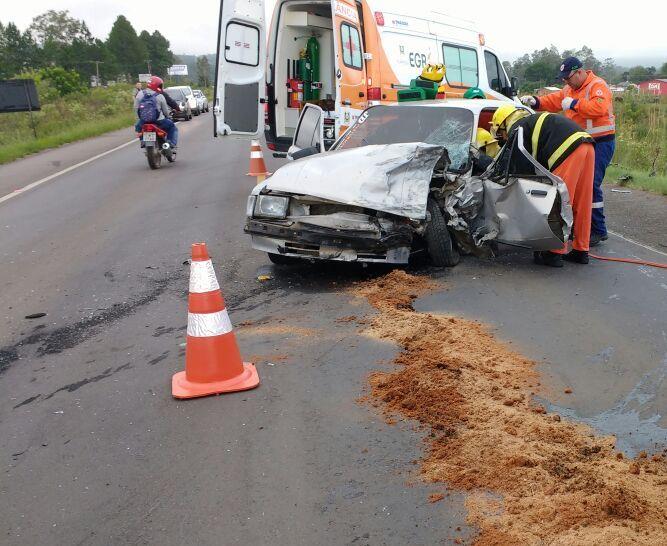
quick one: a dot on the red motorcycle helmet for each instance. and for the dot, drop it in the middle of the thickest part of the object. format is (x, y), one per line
(155, 83)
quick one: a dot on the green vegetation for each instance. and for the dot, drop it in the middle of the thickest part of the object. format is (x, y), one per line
(640, 179)
(540, 68)
(65, 117)
(641, 142)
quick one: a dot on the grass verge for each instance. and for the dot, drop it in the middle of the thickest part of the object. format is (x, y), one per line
(640, 179)
(15, 150)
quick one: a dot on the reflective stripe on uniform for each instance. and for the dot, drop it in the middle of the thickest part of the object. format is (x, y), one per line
(209, 324)
(565, 146)
(589, 122)
(202, 277)
(536, 132)
(599, 205)
(600, 129)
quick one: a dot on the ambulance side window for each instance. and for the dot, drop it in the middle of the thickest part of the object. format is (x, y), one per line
(492, 71)
(351, 44)
(461, 64)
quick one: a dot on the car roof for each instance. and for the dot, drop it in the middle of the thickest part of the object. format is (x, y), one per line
(474, 105)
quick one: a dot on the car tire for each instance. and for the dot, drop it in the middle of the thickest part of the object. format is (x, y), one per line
(197, 112)
(439, 242)
(279, 259)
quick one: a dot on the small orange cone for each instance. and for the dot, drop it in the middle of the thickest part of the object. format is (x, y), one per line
(257, 165)
(213, 363)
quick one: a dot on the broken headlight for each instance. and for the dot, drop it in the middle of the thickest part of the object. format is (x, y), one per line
(250, 205)
(271, 206)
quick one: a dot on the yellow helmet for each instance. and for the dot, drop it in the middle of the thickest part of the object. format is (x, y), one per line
(433, 72)
(501, 115)
(487, 143)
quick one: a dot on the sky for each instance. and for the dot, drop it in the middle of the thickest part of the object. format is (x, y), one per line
(611, 29)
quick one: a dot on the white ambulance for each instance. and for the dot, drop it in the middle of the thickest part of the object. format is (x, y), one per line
(340, 56)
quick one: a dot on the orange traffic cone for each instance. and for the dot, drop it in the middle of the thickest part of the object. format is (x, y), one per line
(257, 165)
(213, 363)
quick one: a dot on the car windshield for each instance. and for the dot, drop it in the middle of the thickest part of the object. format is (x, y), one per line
(448, 127)
(175, 94)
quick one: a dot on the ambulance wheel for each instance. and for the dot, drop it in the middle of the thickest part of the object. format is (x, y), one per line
(439, 242)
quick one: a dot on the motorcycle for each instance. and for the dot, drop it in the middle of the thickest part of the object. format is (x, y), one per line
(154, 142)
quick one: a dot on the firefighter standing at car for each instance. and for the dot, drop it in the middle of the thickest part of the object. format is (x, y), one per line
(586, 100)
(560, 146)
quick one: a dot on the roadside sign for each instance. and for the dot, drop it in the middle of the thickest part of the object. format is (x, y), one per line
(144, 77)
(18, 96)
(178, 70)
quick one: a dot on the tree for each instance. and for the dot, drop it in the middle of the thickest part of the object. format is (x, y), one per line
(59, 28)
(65, 81)
(638, 74)
(18, 51)
(203, 71)
(586, 56)
(85, 57)
(159, 54)
(129, 51)
(663, 70)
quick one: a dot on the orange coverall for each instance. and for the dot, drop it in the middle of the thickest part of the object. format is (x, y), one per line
(577, 173)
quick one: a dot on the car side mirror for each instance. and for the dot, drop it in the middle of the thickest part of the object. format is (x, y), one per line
(305, 152)
(515, 85)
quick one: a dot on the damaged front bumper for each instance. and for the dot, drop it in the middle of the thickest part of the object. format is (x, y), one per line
(347, 237)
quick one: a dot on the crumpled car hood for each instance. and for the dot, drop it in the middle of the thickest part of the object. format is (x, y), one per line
(392, 178)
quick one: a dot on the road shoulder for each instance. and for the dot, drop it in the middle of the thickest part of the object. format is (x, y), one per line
(638, 215)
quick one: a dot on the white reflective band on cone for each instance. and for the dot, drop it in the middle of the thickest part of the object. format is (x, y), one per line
(202, 277)
(599, 205)
(209, 324)
(255, 155)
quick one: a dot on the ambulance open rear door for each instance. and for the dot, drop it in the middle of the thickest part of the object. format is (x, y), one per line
(239, 70)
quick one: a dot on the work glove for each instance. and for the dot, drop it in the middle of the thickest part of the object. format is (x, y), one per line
(567, 103)
(528, 100)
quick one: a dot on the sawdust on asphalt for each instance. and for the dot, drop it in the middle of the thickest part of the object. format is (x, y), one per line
(532, 477)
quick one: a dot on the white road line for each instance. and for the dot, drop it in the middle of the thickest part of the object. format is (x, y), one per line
(636, 243)
(24, 189)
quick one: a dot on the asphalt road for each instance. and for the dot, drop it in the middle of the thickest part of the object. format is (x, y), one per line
(96, 451)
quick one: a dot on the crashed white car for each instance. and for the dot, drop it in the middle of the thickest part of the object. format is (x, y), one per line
(400, 180)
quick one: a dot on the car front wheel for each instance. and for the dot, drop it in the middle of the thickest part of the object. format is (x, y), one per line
(439, 242)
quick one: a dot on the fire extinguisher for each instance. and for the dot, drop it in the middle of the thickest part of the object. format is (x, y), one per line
(294, 87)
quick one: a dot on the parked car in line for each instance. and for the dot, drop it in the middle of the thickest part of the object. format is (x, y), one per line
(202, 101)
(178, 95)
(192, 100)
(399, 181)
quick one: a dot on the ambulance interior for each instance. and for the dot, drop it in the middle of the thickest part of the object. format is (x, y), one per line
(298, 23)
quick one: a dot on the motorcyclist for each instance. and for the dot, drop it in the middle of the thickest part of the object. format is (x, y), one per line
(155, 86)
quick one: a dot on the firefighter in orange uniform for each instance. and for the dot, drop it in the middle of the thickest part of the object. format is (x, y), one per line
(561, 147)
(586, 100)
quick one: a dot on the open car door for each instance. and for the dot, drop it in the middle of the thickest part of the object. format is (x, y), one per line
(309, 134)
(239, 69)
(529, 205)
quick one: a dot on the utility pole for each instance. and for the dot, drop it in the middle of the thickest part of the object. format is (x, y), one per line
(97, 70)
(148, 62)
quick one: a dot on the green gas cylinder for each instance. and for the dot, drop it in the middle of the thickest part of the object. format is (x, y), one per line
(313, 55)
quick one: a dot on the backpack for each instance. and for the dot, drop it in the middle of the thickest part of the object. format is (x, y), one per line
(148, 110)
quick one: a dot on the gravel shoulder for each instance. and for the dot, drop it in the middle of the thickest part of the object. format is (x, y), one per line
(639, 215)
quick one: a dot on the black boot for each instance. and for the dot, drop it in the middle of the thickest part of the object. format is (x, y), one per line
(577, 256)
(597, 238)
(548, 258)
